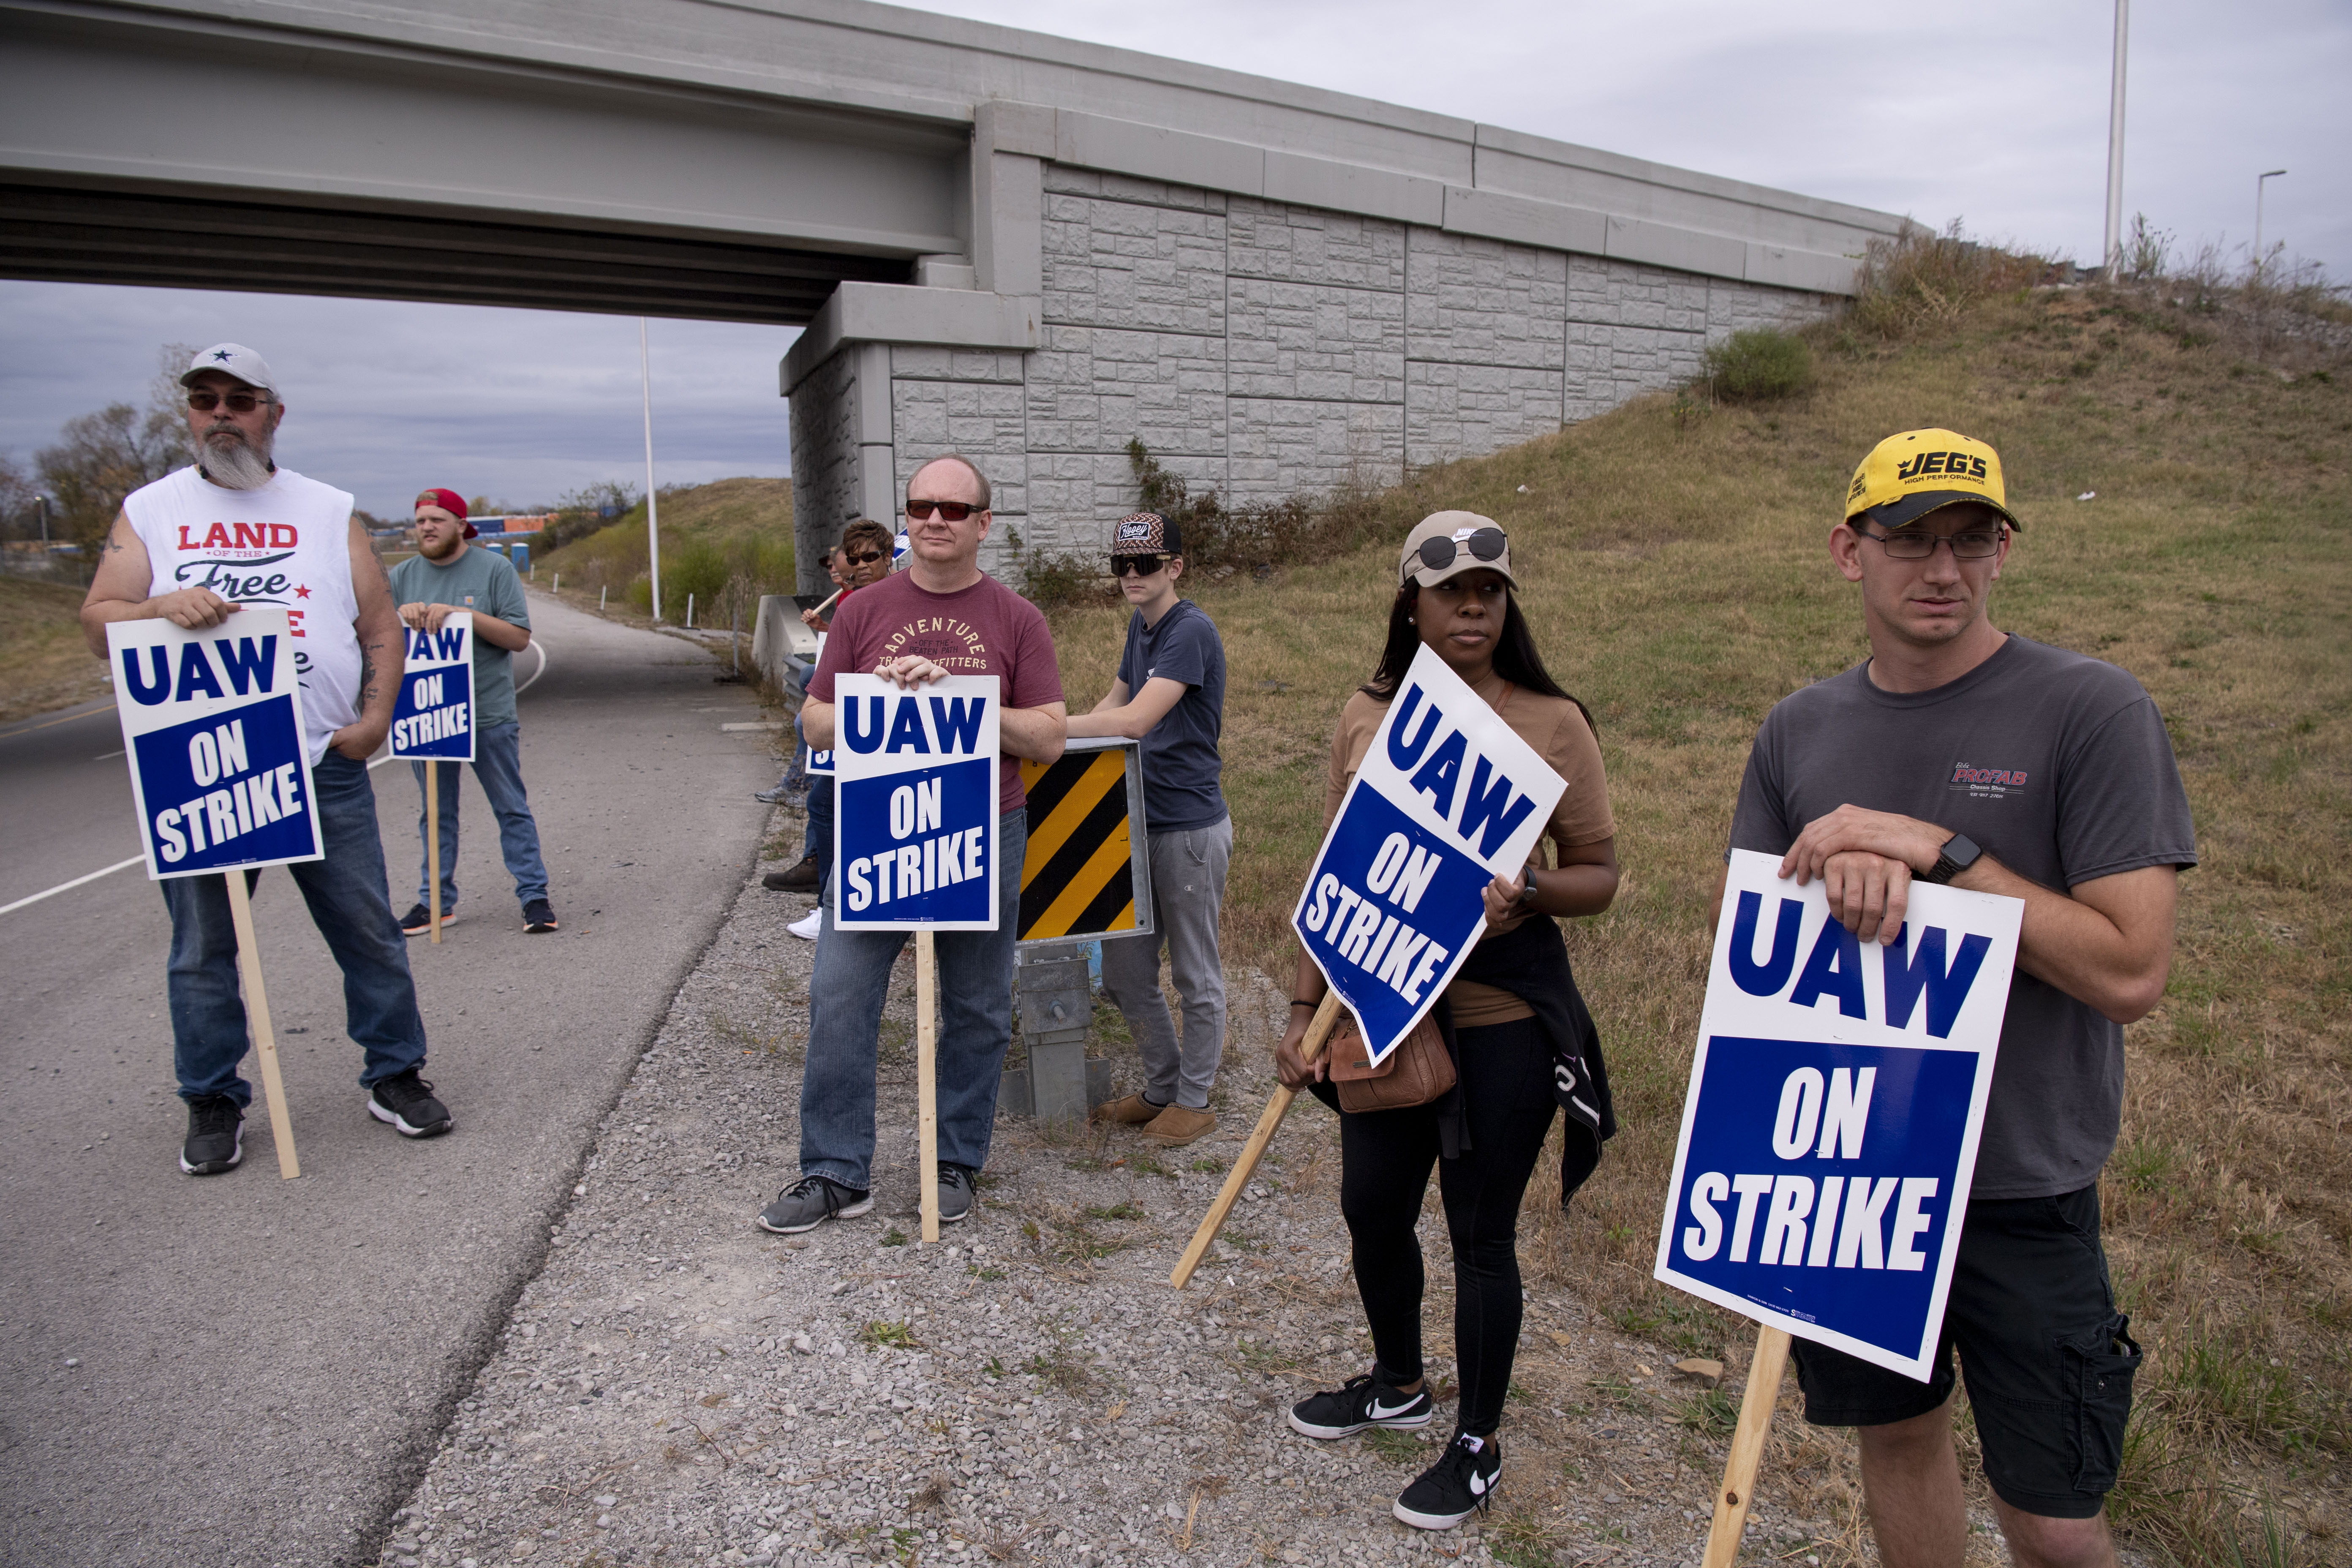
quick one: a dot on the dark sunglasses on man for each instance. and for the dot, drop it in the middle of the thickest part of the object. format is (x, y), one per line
(1483, 545)
(1136, 566)
(953, 511)
(205, 402)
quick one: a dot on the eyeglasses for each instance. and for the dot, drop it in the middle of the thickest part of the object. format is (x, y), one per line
(1484, 544)
(1136, 566)
(1968, 544)
(869, 558)
(953, 511)
(239, 402)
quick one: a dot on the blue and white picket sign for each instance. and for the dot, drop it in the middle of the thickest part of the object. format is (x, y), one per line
(1447, 798)
(900, 547)
(434, 716)
(212, 724)
(1830, 1132)
(914, 825)
(819, 763)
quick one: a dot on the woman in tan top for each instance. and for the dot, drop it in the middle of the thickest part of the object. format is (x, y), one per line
(1522, 1042)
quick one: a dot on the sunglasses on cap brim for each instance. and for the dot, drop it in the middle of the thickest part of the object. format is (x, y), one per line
(1483, 545)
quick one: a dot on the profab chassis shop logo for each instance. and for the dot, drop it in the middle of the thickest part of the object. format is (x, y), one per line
(1969, 779)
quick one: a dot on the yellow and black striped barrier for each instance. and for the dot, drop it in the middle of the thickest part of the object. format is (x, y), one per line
(1083, 872)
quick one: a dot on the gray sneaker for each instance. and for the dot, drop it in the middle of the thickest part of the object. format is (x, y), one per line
(956, 1192)
(810, 1202)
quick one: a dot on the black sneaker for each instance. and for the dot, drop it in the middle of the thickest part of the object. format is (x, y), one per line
(215, 1136)
(1458, 1485)
(956, 1193)
(538, 918)
(810, 1202)
(406, 1102)
(801, 878)
(1363, 1402)
(418, 921)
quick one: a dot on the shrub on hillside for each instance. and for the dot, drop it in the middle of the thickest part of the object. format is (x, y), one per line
(1924, 281)
(1762, 364)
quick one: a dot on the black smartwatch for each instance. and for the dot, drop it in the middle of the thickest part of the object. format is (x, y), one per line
(1960, 853)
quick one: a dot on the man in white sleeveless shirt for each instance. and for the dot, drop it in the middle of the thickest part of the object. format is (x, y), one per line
(232, 530)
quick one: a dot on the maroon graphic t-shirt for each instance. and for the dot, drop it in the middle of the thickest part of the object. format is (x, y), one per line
(986, 629)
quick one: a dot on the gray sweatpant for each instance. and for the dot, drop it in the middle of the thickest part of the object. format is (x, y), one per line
(1188, 887)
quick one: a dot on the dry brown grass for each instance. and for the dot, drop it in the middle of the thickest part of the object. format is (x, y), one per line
(1677, 578)
(44, 663)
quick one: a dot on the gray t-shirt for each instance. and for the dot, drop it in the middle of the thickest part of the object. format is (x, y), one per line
(1182, 762)
(480, 580)
(2056, 765)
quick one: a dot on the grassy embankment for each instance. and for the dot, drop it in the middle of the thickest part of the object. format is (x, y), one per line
(44, 663)
(1675, 572)
(725, 542)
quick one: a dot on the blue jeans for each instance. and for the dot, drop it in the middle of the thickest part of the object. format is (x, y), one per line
(498, 763)
(348, 904)
(846, 996)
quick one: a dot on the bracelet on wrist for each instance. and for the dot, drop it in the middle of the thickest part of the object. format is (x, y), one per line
(1309, 1005)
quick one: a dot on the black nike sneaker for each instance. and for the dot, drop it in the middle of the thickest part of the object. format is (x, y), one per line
(1461, 1482)
(1363, 1402)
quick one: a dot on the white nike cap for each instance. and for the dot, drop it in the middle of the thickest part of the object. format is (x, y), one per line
(234, 359)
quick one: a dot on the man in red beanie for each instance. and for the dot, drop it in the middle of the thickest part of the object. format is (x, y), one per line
(446, 574)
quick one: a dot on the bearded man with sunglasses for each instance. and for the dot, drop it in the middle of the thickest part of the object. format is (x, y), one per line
(941, 615)
(193, 548)
(1170, 694)
(1958, 753)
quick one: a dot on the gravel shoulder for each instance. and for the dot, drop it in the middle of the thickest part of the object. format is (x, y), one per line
(677, 1385)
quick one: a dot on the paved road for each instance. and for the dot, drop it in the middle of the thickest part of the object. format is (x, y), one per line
(249, 1370)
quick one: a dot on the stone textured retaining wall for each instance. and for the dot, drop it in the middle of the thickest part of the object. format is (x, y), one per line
(1265, 349)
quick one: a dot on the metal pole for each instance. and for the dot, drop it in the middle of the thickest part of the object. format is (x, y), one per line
(2259, 181)
(42, 503)
(2113, 251)
(653, 525)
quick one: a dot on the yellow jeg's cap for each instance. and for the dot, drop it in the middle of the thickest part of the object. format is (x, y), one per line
(1909, 475)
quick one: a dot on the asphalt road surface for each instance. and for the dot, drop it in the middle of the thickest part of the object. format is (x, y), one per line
(242, 1370)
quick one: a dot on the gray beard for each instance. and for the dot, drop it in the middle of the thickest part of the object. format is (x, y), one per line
(233, 462)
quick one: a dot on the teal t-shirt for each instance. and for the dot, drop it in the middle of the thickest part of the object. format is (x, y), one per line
(480, 580)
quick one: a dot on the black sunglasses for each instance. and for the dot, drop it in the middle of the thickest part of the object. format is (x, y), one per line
(1136, 566)
(1484, 544)
(953, 511)
(867, 558)
(239, 402)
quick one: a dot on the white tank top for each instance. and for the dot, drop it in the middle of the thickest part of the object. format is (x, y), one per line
(286, 545)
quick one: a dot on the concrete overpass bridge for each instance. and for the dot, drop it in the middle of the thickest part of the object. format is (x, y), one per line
(1016, 245)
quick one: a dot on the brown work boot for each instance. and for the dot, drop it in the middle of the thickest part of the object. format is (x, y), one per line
(1177, 1126)
(1132, 1109)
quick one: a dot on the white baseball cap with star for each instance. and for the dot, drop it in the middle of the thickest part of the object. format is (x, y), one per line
(232, 359)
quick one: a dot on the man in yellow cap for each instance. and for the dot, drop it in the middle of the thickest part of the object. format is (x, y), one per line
(1959, 754)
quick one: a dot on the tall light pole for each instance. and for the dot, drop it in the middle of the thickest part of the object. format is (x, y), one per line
(653, 525)
(2259, 180)
(2112, 254)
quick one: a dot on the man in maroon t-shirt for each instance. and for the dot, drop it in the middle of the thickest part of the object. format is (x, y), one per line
(941, 615)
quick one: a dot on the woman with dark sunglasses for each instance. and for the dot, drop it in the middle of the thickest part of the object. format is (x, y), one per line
(1521, 1040)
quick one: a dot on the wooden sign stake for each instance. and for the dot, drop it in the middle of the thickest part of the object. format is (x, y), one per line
(1756, 1406)
(256, 1014)
(1318, 1030)
(433, 844)
(927, 1114)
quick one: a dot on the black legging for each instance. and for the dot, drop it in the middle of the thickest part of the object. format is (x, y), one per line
(1506, 1082)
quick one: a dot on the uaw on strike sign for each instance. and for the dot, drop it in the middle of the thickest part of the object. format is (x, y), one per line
(434, 715)
(1446, 799)
(915, 804)
(1829, 1133)
(211, 720)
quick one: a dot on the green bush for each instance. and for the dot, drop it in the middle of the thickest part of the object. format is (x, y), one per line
(1762, 364)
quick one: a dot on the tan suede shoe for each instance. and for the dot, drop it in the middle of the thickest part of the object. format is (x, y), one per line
(1175, 1126)
(1133, 1109)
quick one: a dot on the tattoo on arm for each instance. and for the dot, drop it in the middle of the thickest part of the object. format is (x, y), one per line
(370, 662)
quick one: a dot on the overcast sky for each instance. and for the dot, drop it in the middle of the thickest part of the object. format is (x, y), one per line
(1994, 113)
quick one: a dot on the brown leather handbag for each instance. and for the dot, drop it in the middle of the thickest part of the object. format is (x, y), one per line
(1419, 1070)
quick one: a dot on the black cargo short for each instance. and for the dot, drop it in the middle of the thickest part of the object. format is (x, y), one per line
(2048, 1358)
